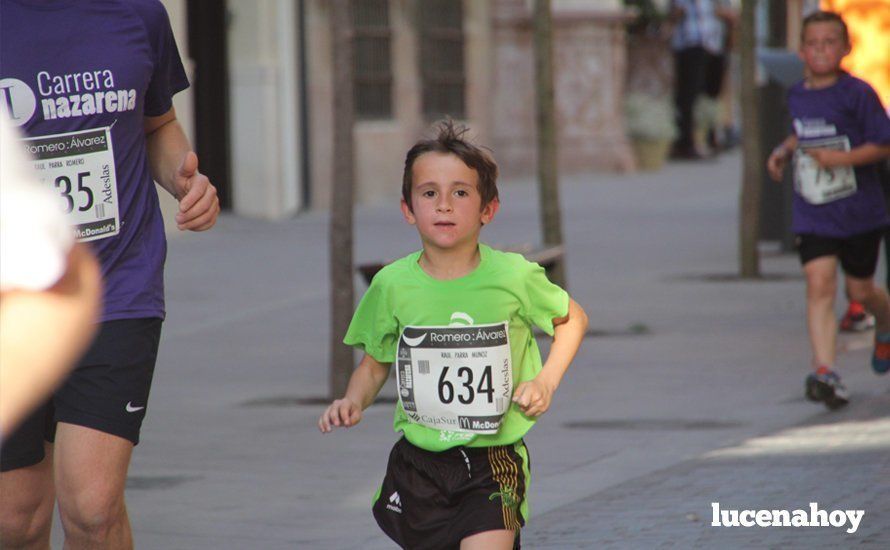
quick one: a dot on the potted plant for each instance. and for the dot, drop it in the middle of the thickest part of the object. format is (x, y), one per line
(650, 127)
(651, 16)
(705, 116)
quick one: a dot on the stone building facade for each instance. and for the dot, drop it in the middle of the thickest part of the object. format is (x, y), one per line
(416, 60)
(590, 64)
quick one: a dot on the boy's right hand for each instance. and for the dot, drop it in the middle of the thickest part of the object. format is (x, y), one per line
(342, 412)
(775, 165)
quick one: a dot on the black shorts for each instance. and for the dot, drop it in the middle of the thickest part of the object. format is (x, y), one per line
(858, 254)
(434, 500)
(107, 391)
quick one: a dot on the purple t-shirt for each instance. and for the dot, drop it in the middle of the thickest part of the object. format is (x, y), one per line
(846, 114)
(77, 78)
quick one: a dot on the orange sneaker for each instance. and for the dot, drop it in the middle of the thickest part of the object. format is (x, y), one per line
(856, 319)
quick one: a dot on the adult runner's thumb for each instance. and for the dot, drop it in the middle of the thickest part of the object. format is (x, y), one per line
(189, 165)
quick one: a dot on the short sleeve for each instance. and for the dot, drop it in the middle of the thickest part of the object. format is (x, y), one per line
(374, 328)
(168, 75)
(34, 235)
(545, 301)
(873, 118)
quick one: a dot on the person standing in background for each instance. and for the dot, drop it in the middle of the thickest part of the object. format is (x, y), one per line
(698, 39)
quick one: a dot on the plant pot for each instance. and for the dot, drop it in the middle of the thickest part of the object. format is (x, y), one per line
(650, 153)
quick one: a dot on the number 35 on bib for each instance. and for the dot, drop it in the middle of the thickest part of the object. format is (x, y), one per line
(79, 166)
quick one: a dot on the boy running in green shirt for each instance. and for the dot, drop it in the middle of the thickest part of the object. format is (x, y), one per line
(456, 318)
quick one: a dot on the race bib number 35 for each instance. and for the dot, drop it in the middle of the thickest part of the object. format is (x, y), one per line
(79, 166)
(456, 378)
(823, 185)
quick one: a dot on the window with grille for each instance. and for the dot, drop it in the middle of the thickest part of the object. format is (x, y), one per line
(442, 58)
(373, 59)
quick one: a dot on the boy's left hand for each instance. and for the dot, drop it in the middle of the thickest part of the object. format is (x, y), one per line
(533, 397)
(828, 158)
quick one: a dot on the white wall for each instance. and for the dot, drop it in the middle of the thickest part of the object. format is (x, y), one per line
(266, 152)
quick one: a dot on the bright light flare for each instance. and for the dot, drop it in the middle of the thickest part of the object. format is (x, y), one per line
(869, 24)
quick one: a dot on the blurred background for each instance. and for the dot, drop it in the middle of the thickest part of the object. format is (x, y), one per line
(260, 109)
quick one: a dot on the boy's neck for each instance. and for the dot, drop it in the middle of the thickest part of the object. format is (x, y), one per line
(452, 263)
(817, 82)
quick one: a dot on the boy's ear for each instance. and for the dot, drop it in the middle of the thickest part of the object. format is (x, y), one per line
(407, 213)
(489, 210)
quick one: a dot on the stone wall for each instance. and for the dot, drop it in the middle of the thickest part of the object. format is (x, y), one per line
(589, 76)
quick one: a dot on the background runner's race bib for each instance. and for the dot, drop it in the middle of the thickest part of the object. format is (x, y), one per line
(455, 378)
(80, 167)
(822, 185)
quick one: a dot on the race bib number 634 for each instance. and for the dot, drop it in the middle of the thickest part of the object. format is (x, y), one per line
(456, 378)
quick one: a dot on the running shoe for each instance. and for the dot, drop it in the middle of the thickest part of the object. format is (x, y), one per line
(825, 385)
(856, 319)
(880, 359)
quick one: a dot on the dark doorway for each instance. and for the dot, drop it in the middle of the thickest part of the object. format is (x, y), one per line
(207, 26)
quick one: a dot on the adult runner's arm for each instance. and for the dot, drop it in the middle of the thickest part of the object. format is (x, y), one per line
(175, 167)
(364, 385)
(534, 396)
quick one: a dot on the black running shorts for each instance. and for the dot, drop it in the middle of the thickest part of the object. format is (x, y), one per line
(107, 391)
(858, 254)
(434, 500)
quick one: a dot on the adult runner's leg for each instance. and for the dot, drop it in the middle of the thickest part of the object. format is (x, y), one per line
(91, 474)
(26, 505)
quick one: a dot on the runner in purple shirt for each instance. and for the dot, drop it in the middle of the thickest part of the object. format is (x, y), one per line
(90, 85)
(839, 117)
(841, 132)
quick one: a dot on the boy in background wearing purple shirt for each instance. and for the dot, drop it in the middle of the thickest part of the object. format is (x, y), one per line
(841, 133)
(90, 85)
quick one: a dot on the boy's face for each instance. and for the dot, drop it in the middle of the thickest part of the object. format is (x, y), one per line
(447, 206)
(823, 47)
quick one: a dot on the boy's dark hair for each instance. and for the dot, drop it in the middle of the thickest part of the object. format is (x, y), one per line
(825, 17)
(450, 139)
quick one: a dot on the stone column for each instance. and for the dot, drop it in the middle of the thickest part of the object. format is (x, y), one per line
(266, 153)
(589, 74)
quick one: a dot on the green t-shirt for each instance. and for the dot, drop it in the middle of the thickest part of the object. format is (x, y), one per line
(504, 288)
